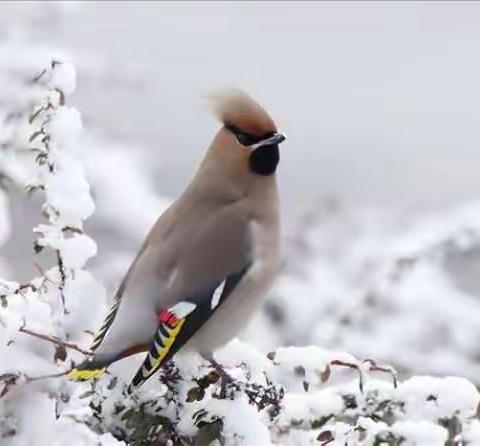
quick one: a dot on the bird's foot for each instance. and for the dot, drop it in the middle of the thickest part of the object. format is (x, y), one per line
(228, 385)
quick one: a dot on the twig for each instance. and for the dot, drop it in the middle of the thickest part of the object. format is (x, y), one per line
(53, 375)
(9, 380)
(55, 341)
(38, 76)
(63, 278)
(372, 366)
(44, 275)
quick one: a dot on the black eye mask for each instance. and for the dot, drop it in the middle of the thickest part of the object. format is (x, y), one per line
(246, 139)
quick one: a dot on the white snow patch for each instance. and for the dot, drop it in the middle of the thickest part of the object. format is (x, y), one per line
(65, 126)
(8, 287)
(434, 398)
(69, 193)
(420, 433)
(77, 250)
(64, 77)
(5, 225)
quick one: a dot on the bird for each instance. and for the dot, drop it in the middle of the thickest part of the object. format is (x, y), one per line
(209, 260)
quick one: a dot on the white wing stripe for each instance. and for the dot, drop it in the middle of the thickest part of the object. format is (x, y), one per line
(217, 294)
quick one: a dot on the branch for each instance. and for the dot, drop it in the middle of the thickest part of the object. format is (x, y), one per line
(53, 375)
(9, 380)
(55, 341)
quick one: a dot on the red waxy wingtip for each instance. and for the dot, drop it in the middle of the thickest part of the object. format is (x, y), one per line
(167, 317)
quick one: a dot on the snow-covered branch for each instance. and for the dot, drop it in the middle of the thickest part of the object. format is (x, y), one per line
(40, 319)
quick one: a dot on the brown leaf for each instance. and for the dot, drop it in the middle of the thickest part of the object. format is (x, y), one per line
(195, 394)
(113, 382)
(325, 374)
(34, 115)
(306, 386)
(34, 135)
(325, 437)
(60, 353)
(299, 371)
(9, 380)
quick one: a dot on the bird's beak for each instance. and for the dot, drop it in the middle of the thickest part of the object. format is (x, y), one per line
(276, 138)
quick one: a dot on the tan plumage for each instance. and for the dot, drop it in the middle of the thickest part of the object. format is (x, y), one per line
(210, 259)
(233, 106)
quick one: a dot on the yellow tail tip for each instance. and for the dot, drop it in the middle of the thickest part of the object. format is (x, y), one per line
(83, 375)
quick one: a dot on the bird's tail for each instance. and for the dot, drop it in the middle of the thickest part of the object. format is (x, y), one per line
(92, 367)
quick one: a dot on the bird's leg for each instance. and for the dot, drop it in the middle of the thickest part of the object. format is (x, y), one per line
(226, 380)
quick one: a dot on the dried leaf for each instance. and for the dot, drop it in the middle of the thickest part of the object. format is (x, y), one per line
(34, 115)
(60, 353)
(112, 384)
(325, 437)
(306, 386)
(325, 374)
(271, 356)
(9, 380)
(299, 371)
(37, 247)
(34, 135)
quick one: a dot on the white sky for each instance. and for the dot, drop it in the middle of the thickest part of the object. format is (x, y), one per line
(380, 100)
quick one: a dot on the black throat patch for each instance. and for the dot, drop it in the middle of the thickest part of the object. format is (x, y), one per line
(264, 160)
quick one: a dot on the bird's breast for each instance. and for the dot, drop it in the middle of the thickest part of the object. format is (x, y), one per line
(233, 315)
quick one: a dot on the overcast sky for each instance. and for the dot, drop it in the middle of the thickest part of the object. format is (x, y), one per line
(380, 100)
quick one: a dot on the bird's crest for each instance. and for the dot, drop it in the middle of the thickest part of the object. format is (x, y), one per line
(234, 107)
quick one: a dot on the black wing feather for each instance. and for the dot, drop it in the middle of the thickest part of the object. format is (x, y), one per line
(190, 325)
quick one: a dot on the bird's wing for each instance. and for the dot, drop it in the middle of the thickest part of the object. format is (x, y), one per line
(180, 322)
(113, 310)
(211, 263)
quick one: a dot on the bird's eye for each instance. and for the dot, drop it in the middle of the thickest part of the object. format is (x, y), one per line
(243, 138)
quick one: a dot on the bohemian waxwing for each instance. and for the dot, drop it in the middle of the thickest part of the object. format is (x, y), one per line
(209, 260)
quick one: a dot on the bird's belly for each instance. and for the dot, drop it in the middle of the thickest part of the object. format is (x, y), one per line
(233, 315)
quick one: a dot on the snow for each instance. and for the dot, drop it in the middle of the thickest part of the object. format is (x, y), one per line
(375, 284)
(420, 433)
(62, 301)
(237, 353)
(309, 362)
(241, 423)
(69, 193)
(84, 316)
(4, 218)
(39, 424)
(63, 77)
(472, 433)
(8, 287)
(301, 409)
(77, 250)
(66, 126)
(129, 180)
(439, 397)
(10, 323)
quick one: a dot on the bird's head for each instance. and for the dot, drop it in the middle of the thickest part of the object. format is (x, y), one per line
(249, 137)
